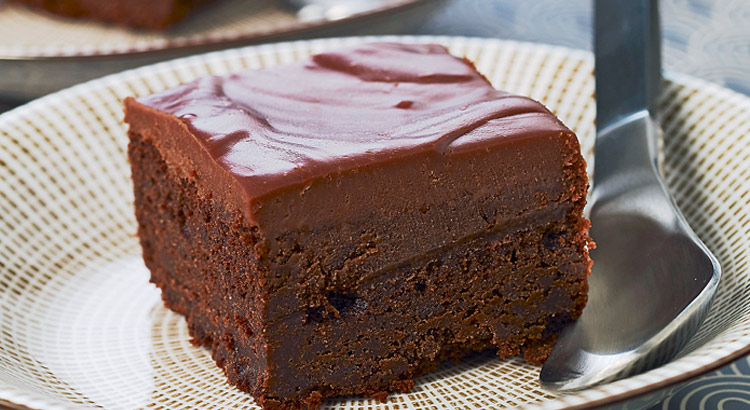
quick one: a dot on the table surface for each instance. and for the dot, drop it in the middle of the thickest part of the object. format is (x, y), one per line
(709, 39)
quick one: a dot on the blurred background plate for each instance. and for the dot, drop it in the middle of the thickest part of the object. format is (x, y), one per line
(81, 327)
(41, 52)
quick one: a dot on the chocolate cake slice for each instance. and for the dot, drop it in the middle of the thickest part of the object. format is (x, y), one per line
(344, 224)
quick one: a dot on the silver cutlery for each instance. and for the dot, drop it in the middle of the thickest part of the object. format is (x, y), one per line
(653, 279)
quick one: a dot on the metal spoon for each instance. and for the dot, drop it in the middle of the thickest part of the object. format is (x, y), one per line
(653, 279)
(311, 10)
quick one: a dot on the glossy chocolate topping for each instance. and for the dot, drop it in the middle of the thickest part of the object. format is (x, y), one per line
(342, 110)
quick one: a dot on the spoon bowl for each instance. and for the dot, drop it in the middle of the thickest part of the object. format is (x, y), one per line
(652, 281)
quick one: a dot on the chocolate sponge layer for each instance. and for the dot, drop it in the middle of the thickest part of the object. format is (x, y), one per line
(510, 288)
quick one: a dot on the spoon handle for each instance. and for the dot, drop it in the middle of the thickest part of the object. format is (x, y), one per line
(627, 45)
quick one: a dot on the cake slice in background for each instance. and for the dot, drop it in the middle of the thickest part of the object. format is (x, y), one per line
(147, 14)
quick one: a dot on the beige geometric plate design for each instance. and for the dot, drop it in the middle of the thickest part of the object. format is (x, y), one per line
(81, 327)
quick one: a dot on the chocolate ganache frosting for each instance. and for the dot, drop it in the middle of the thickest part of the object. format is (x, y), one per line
(337, 111)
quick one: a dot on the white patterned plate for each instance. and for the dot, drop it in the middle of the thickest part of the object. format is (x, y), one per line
(81, 327)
